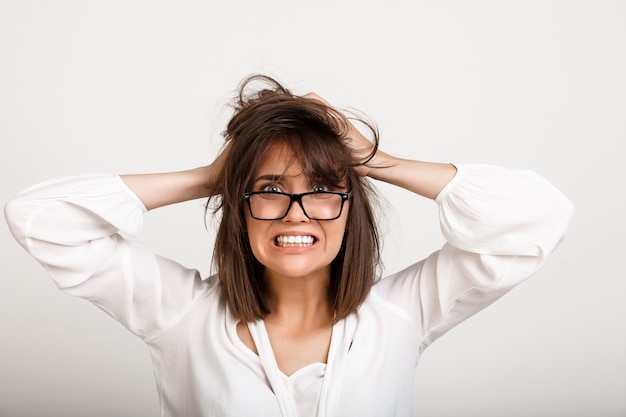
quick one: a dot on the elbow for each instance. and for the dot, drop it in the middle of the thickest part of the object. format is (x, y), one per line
(568, 209)
(15, 218)
(556, 226)
(19, 213)
(563, 216)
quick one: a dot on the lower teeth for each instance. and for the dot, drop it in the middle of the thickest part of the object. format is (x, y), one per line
(283, 245)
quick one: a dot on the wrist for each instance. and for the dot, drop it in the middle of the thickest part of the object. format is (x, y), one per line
(378, 165)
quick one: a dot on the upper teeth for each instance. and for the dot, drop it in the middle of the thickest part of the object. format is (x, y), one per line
(307, 240)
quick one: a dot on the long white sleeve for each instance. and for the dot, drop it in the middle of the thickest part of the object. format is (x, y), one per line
(500, 226)
(72, 227)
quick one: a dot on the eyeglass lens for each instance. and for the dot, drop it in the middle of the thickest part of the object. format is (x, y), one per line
(319, 206)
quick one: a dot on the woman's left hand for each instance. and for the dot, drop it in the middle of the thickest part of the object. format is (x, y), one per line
(423, 178)
(361, 147)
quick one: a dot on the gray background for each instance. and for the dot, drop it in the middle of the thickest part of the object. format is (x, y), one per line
(140, 86)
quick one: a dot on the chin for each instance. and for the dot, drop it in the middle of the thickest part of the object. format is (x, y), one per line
(298, 270)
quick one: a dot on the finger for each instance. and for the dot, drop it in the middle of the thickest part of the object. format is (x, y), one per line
(314, 96)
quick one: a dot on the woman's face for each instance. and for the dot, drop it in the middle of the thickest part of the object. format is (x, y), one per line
(317, 241)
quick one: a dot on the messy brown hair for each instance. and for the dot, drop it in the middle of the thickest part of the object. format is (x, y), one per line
(266, 113)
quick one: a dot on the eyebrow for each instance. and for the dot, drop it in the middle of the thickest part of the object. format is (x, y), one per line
(280, 177)
(269, 177)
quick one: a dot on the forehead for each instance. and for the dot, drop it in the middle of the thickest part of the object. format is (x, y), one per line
(280, 160)
(312, 164)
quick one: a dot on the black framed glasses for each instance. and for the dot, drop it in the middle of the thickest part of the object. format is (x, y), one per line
(316, 205)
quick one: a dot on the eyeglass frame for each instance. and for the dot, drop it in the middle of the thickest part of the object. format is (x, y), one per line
(345, 196)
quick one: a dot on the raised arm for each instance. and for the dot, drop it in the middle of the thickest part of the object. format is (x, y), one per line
(74, 226)
(158, 190)
(424, 178)
(500, 226)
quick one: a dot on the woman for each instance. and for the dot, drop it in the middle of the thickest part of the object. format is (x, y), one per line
(294, 322)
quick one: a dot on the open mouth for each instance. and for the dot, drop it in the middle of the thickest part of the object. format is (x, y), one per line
(294, 241)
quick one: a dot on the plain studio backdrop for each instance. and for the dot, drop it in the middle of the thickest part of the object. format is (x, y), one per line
(141, 86)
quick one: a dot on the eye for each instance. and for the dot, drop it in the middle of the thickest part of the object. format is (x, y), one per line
(271, 188)
(320, 188)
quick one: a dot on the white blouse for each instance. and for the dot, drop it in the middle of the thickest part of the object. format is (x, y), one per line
(500, 226)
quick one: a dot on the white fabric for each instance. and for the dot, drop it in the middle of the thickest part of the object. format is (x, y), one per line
(500, 225)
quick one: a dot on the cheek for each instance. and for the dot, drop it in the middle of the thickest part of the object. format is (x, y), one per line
(256, 237)
(337, 234)
(335, 247)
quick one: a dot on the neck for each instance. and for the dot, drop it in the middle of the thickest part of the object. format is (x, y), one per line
(300, 301)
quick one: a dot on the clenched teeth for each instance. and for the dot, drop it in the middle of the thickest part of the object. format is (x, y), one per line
(294, 241)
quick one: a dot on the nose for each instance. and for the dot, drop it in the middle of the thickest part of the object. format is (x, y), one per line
(295, 212)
